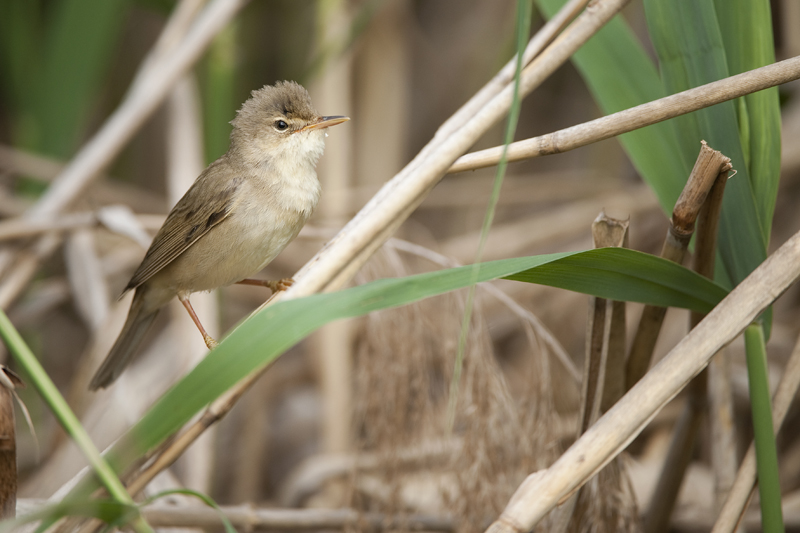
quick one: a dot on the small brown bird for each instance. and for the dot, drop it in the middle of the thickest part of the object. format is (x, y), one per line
(236, 217)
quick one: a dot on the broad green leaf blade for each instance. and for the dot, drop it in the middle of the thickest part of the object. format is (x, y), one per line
(689, 45)
(620, 75)
(749, 44)
(608, 272)
(618, 274)
(769, 485)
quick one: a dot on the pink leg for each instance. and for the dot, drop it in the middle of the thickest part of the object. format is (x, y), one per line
(209, 340)
(275, 286)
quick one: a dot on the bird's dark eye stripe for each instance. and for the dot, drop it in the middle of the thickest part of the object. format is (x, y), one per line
(281, 125)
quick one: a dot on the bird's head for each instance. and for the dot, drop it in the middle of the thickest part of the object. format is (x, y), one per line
(280, 121)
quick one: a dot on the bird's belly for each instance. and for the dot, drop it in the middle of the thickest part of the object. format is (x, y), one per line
(240, 246)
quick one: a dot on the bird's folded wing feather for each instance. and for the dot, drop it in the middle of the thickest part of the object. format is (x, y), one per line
(206, 204)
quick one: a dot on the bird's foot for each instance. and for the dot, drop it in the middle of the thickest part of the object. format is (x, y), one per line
(274, 286)
(210, 342)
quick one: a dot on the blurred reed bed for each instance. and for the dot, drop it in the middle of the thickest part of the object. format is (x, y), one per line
(355, 416)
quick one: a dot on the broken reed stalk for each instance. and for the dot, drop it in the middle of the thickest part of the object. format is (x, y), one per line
(694, 202)
(636, 117)
(743, 487)
(610, 435)
(8, 446)
(604, 381)
(681, 227)
(600, 505)
(346, 253)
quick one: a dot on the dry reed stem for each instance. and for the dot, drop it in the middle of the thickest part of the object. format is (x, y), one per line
(19, 228)
(723, 449)
(709, 164)
(142, 100)
(608, 231)
(247, 518)
(679, 455)
(636, 117)
(332, 345)
(603, 317)
(604, 504)
(742, 489)
(341, 258)
(313, 473)
(8, 449)
(703, 200)
(720, 396)
(85, 274)
(26, 265)
(623, 422)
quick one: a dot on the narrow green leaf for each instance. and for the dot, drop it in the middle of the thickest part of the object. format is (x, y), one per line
(58, 405)
(627, 275)
(614, 273)
(523, 28)
(749, 44)
(769, 486)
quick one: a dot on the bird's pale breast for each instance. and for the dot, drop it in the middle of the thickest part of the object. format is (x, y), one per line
(267, 215)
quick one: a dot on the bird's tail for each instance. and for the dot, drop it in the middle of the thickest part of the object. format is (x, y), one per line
(136, 325)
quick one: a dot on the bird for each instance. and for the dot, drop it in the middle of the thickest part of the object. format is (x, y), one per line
(237, 216)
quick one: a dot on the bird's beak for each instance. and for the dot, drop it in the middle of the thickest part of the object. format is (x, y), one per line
(325, 122)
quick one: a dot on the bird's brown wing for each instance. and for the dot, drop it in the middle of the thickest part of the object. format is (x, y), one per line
(206, 204)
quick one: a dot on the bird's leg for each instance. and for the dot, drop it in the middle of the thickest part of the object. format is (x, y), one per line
(209, 340)
(275, 286)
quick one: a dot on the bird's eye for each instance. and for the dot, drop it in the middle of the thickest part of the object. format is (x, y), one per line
(281, 125)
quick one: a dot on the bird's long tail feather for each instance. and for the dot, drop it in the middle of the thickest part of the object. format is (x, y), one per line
(136, 325)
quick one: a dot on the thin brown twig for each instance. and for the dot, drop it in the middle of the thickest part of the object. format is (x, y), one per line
(636, 117)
